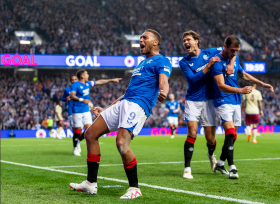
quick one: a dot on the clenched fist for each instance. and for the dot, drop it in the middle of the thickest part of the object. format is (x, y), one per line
(161, 96)
(246, 90)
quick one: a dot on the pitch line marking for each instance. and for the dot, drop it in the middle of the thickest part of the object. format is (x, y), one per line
(259, 159)
(38, 145)
(140, 184)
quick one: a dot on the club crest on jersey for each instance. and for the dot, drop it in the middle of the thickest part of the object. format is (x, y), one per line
(191, 64)
(205, 57)
(81, 87)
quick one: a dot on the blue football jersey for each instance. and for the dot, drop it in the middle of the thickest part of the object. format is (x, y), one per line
(82, 91)
(69, 103)
(221, 98)
(200, 85)
(143, 87)
(171, 106)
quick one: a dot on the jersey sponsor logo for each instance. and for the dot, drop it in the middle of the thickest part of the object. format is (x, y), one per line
(136, 71)
(191, 64)
(205, 57)
(86, 92)
(201, 68)
(81, 87)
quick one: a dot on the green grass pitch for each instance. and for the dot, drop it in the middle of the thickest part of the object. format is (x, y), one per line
(257, 164)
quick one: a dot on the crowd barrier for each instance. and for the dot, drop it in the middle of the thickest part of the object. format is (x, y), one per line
(155, 131)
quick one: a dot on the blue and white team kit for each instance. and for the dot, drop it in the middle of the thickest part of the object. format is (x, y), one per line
(141, 95)
(67, 92)
(199, 105)
(172, 117)
(227, 105)
(81, 113)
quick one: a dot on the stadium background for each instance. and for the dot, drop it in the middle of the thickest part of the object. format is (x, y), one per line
(98, 28)
(43, 43)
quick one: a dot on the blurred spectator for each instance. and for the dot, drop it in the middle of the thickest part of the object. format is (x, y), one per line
(96, 27)
(24, 106)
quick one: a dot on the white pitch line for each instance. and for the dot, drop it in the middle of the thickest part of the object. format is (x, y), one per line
(31, 145)
(40, 144)
(140, 184)
(259, 159)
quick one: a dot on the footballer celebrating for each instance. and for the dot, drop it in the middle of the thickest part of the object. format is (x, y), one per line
(199, 98)
(80, 94)
(149, 83)
(172, 107)
(227, 99)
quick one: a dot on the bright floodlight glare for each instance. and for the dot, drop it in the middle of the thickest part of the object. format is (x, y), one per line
(135, 45)
(25, 42)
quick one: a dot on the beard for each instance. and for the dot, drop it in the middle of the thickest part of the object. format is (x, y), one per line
(148, 49)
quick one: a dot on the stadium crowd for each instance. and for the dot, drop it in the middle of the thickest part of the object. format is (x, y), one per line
(26, 104)
(97, 27)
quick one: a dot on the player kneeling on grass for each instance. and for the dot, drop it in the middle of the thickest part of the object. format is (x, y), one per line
(172, 107)
(128, 114)
(227, 99)
(252, 101)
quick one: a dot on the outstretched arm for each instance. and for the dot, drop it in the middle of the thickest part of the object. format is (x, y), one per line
(252, 79)
(106, 81)
(193, 78)
(163, 87)
(220, 81)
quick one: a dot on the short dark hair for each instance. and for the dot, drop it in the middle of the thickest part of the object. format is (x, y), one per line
(156, 34)
(80, 72)
(72, 76)
(194, 34)
(232, 39)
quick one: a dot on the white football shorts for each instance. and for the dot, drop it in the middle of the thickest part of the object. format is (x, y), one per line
(173, 120)
(71, 123)
(125, 114)
(202, 111)
(228, 112)
(81, 119)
